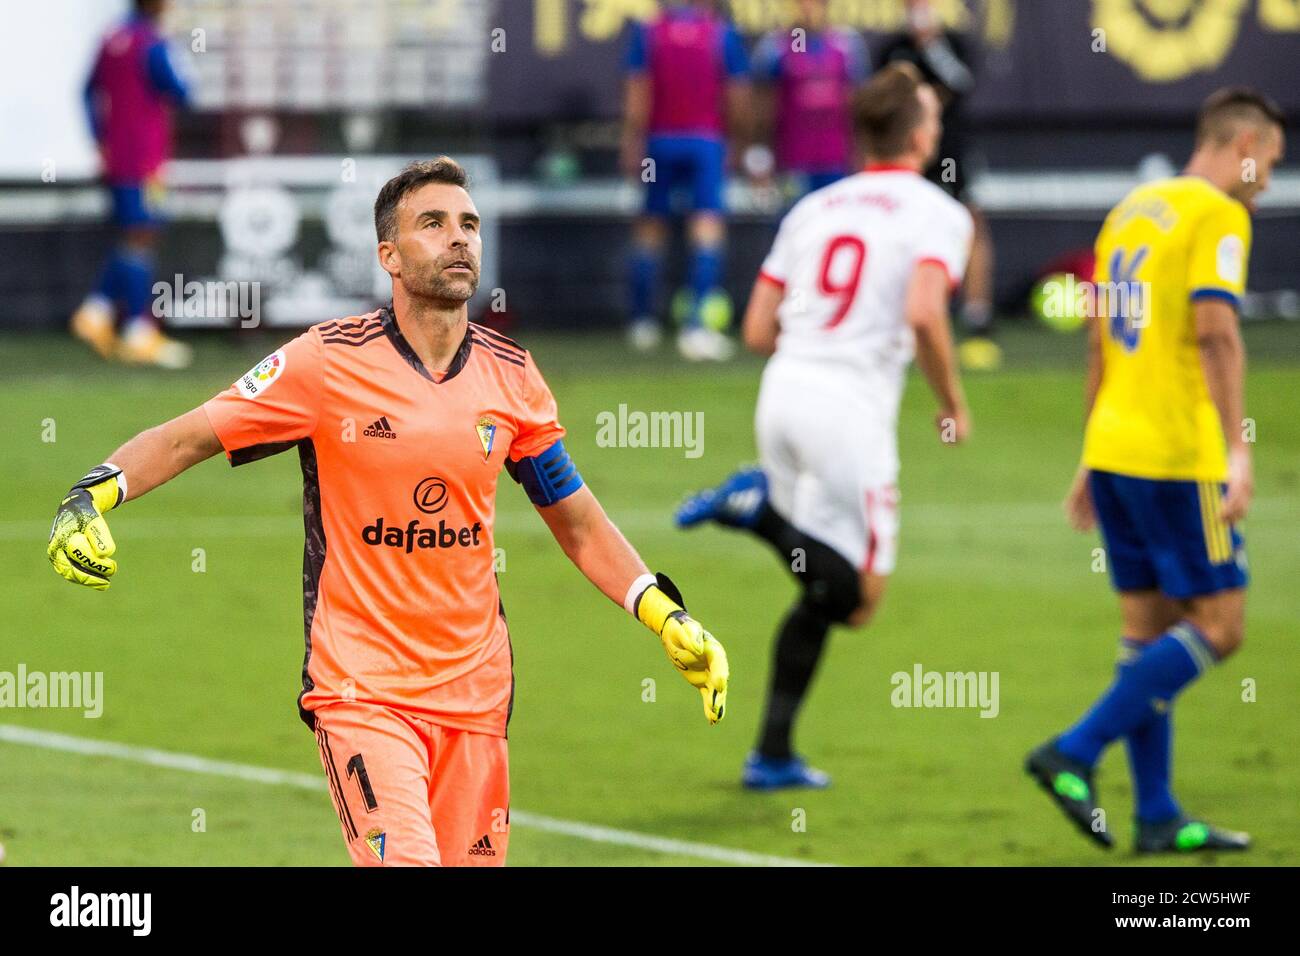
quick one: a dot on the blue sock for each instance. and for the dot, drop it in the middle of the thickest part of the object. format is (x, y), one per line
(110, 284)
(703, 275)
(1149, 751)
(642, 280)
(136, 284)
(1173, 661)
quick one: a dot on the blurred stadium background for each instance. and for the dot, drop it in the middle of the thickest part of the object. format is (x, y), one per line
(302, 108)
(289, 91)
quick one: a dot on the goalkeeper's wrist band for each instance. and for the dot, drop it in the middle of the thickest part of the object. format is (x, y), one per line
(659, 601)
(635, 590)
(106, 485)
(120, 475)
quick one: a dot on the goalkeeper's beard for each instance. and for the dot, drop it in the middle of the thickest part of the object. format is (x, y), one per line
(440, 288)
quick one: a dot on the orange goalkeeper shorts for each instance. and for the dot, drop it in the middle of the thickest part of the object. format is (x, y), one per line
(412, 793)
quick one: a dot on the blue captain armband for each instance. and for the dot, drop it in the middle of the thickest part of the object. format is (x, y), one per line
(549, 477)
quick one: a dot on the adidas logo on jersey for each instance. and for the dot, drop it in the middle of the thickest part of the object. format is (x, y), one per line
(482, 848)
(380, 429)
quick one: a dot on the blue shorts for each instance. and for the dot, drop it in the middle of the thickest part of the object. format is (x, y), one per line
(810, 182)
(1167, 535)
(801, 182)
(685, 163)
(137, 204)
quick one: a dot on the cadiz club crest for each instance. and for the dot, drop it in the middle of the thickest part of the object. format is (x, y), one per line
(375, 839)
(487, 434)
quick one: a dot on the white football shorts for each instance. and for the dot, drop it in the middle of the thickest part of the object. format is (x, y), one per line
(832, 467)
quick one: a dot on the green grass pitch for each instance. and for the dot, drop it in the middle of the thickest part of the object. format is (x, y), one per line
(988, 579)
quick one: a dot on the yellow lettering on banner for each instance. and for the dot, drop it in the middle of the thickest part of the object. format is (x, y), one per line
(953, 14)
(605, 19)
(878, 16)
(1167, 40)
(550, 26)
(1280, 15)
(1170, 11)
(1000, 23)
(600, 21)
(759, 16)
(1161, 40)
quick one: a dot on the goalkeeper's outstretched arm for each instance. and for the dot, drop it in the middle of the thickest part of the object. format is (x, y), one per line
(80, 546)
(599, 550)
(159, 454)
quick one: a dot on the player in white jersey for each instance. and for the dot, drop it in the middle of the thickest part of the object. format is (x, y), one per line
(857, 282)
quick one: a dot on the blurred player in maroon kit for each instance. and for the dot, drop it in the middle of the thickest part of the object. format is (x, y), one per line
(807, 74)
(687, 78)
(130, 94)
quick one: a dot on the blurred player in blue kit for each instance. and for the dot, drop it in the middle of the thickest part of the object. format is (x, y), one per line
(130, 95)
(687, 84)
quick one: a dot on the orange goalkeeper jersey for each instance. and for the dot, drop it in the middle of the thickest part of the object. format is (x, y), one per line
(399, 468)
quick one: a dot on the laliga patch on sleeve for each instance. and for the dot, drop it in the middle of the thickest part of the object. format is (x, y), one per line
(262, 375)
(1230, 259)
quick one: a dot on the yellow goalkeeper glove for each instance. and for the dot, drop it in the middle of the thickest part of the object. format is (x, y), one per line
(81, 547)
(693, 650)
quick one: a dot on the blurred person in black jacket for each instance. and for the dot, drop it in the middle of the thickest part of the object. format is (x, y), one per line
(946, 58)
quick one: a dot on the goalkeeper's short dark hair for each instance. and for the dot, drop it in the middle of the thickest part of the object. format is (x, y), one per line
(1226, 109)
(442, 169)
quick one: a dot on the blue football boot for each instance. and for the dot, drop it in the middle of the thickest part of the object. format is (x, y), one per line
(737, 502)
(772, 773)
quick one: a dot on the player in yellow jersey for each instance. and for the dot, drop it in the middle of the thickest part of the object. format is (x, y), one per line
(1166, 468)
